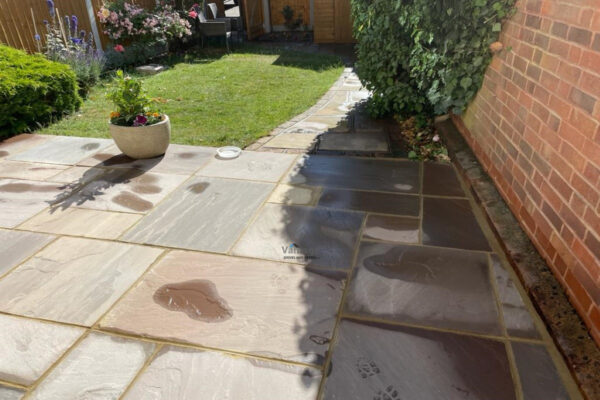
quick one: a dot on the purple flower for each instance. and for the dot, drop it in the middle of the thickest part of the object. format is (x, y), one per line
(74, 24)
(76, 40)
(140, 120)
(37, 37)
(51, 10)
(45, 22)
(82, 34)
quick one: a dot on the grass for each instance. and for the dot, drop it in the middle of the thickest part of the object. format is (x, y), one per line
(222, 99)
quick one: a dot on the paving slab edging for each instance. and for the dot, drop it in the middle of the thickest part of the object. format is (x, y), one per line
(569, 332)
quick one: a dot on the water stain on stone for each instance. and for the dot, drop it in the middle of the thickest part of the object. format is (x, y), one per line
(197, 298)
(147, 189)
(186, 155)
(132, 201)
(198, 187)
(4, 153)
(90, 146)
(24, 187)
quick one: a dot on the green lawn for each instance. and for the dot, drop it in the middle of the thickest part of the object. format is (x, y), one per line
(223, 99)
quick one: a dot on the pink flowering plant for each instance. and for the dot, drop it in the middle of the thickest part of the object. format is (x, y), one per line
(133, 107)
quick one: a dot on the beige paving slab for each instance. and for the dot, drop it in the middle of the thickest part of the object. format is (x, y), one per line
(30, 171)
(10, 393)
(19, 143)
(251, 306)
(16, 246)
(82, 222)
(62, 150)
(321, 123)
(298, 195)
(21, 199)
(76, 175)
(185, 374)
(303, 141)
(340, 104)
(100, 367)
(74, 280)
(260, 166)
(28, 347)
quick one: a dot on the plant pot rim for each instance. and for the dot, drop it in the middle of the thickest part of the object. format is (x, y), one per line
(162, 122)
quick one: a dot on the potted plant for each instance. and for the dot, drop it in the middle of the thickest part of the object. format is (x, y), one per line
(138, 130)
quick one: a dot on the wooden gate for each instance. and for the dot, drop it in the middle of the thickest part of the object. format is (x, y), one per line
(253, 16)
(333, 22)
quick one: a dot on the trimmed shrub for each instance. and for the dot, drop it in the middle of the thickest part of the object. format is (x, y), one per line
(33, 91)
(424, 56)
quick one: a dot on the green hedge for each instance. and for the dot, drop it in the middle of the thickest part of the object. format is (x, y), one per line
(33, 91)
(424, 56)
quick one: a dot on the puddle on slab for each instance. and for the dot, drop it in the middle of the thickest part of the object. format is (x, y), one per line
(24, 187)
(132, 201)
(4, 153)
(197, 298)
(198, 187)
(186, 155)
(147, 189)
(90, 146)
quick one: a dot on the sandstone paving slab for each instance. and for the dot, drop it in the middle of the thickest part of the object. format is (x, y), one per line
(16, 246)
(74, 280)
(302, 141)
(441, 180)
(121, 189)
(205, 214)
(295, 195)
(356, 173)
(317, 124)
(82, 222)
(28, 347)
(19, 143)
(340, 104)
(179, 159)
(385, 203)
(62, 150)
(185, 374)
(10, 393)
(452, 223)
(259, 166)
(76, 175)
(374, 361)
(391, 229)
(355, 142)
(314, 236)
(517, 318)
(30, 171)
(427, 286)
(22, 199)
(252, 306)
(99, 367)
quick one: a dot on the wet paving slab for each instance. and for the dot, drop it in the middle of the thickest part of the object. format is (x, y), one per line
(22, 199)
(62, 150)
(30, 171)
(441, 180)
(391, 229)
(376, 202)
(355, 142)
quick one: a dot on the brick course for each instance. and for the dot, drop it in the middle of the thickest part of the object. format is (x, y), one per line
(535, 127)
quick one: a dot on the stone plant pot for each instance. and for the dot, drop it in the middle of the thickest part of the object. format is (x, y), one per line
(142, 141)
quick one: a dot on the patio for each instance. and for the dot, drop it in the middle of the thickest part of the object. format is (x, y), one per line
(272, 276)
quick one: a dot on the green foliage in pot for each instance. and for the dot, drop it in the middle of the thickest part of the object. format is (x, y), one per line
(133, 106)
(425, 56)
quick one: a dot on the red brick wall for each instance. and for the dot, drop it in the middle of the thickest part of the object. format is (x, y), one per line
(535, 126)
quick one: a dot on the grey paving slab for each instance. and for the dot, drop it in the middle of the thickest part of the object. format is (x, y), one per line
(214, 376)
(259, 166)
(301, 141)
(355, 142)
(10, 393)
(538, 375)
(426, 286)
(76, 175)
(16, 246)
(29, 171)
(385, 203)
(392, 229)
(21, 199)
(441, 180)
(20, 143)
(314, 236)
(356, 173)
(205, 214)
(317, 124)
(517, 319)
(380, 362)
(74, 280)
(62, 150)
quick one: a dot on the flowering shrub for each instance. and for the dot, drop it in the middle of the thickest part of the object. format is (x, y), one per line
(133, 106)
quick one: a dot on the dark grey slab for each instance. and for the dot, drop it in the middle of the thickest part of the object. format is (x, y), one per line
(392, 229)
(451, 223)
(377, 362)
(385, 203)
(357, 173)
(441, 180)
(517, 319)
(538, 374)
(204, 214)
(16, 246)
(424, 285)
(314, 236)
(62, 150)
(355, 142)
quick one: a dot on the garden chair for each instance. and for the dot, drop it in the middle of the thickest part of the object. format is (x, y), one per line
(214, 28)
(235, 22)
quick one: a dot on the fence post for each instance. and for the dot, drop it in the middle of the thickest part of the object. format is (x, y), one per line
(92, 16)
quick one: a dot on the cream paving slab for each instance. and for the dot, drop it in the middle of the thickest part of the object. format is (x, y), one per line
(317, 124)
(82, 222)
(19, 143)
(205, 214)
(30, 171)
(9, 393)
(367, 142)
(123, 189)
(298, 195)
(76, 175)
(179, 159)
(28, 347)
(74, 280)
(100, 367)
(259, 166)
(314, 236)
(185, 374)
(339, 104)
(16, 246)
(62, 150)
(302, 141)
(252, 306)
(21, 199)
